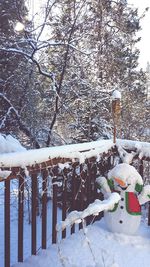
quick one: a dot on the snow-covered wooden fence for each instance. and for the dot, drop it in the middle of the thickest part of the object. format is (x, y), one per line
(82, 192)
(73, 188)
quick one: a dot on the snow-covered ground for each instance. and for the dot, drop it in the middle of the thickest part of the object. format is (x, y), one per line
(27, 227)
(96, 247)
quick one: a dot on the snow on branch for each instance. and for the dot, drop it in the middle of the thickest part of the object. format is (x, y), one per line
(125, 156)
(93, 209)
(31, 57)
(22, 125)
(4, 119)
(45, 44)
(48, 9)
(16, 51)
(9, 104)
(142, 149)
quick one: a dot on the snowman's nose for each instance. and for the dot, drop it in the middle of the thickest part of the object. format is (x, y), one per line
(120, 182)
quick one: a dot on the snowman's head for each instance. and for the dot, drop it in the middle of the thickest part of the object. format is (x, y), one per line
(125, 178)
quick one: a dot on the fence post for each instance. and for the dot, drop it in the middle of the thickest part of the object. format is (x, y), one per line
(34, 206)
(54, 212)
(88, 186)
(7, 222)
(81, 191)
(64, 199)
(141, 168)
(141, 171)
(73, 191)
(44, 208)
(20, 217)
(149, 213)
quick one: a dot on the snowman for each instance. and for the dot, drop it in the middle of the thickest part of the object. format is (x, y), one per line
(125, 216)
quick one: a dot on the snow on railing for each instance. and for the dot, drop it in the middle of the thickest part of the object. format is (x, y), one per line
(36, 156)
(80, 164)
(93, 209)
(72, 183)
(79, 152)
(142, 149)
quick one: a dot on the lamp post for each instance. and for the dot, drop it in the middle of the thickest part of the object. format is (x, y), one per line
(116, 111)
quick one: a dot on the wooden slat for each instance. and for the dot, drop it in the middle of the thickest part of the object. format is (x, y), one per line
(89, 176)
(20, 218)
(44, 208)
(88, 186)
(149, 213)
(73, 201)
(64, 204)
(95, 195)
(141, 168)
(34, 206)
(54, 213)
(94, 186)
(81, 193)
(7, 223)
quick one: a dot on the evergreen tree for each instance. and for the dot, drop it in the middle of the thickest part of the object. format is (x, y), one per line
(17, 114)
(105, 58)
(68, 78)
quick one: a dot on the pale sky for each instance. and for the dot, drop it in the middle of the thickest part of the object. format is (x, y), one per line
(144, 44)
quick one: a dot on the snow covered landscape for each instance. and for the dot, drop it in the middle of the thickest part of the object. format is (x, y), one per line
(95, 246)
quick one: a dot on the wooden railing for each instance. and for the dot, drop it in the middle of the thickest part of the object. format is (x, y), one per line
(73, 188)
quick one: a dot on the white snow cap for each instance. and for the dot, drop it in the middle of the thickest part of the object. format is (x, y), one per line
(142, 148)
(125, 156)
(126, 173)
(36, 156)
(4, 174)
(116, 95)
(9, 144)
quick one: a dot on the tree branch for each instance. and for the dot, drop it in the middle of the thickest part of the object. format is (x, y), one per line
(22, 125)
